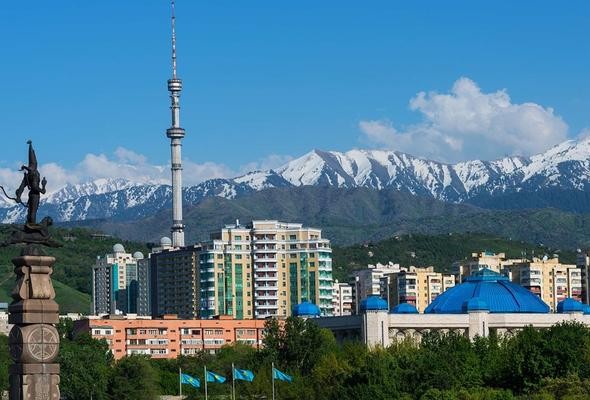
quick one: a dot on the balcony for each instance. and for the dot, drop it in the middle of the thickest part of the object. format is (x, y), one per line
(266, 279)
(267, 306)
(266, 287)
(265, 268)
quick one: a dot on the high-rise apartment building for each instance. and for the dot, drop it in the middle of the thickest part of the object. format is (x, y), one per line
(264, 269)
(144, 303)
(341, 298)
(115, 282)
(418, 286)
(249, 271)
(548, 279)
(175, 280)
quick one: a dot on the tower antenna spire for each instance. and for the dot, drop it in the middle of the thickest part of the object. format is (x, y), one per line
(173, 41)
(175, 133)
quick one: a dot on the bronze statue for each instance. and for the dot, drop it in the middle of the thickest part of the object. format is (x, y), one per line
(32, 232)
(31, 181)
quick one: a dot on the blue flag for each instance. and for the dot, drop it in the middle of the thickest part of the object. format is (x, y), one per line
(281, 376)
(243, 375)
(213, 377)
(189, 380)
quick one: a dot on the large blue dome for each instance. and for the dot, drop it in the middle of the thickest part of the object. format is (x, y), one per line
(306, 309)
(373, 303)
(487, 290)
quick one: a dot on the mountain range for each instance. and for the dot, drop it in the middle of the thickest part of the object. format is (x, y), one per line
(558, 178)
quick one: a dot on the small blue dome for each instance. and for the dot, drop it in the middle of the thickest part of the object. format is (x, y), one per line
(373, 303)
(475, 304)
(489, 288)
(404, 308)
(570, 305)
(306, 309)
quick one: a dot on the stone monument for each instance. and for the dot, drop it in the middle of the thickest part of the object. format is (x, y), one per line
(34, 340)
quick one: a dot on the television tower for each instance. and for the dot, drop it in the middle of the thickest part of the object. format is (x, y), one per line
(176, 133)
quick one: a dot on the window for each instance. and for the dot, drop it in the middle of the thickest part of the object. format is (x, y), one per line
(238, 256)
(238, 237)
(219, 256)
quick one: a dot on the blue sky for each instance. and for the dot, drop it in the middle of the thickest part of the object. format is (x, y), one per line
(268, 80)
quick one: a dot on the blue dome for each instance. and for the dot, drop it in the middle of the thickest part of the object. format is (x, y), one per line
(306, 309)
(475, 304)
(490, 290)
(373, 303)
(570, 305)
(404, 308)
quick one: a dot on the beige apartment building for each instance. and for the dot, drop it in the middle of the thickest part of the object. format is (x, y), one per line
(341, 299)
(264, 269)
(548, 279)
(484, 259)
(418, 286)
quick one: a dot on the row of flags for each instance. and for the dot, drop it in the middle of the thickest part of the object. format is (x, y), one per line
(238, 375)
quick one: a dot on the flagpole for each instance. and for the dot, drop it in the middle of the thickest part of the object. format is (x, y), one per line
(180, 381)
(233, 382)
(272, 372)
(205, 371)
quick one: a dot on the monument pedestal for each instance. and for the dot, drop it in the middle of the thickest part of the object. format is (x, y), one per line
(34, 340)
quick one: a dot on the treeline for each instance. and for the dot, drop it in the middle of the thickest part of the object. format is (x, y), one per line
(534, 364)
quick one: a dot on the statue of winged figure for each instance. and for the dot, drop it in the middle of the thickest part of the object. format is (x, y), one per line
(32, 232)
(33, 182)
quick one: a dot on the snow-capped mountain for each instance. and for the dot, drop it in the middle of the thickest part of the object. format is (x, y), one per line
(565, 167)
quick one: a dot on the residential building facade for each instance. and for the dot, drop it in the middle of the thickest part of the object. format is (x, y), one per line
(341, 299)
(485, 259)
(372, 281)
(175, 280)
(171, 337)
(548, 279)
(418, 286)
(264, 269)
(115, 282)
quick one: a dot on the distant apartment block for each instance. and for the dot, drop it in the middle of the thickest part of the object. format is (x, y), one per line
(341, 299)
(170, 337)
(414, 285)
(548, 279)
(418, 286)
(115, 282)
(484, 259)
(372, 281)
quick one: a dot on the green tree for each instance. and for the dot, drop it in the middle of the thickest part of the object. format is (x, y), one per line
(85, 367)
(134, 378)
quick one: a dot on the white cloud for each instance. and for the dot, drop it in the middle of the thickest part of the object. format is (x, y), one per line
(467, 123)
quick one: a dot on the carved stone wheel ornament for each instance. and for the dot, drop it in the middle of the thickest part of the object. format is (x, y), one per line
(34, 343)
